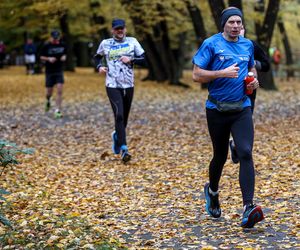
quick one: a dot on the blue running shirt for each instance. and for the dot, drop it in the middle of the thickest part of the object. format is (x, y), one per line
(216, 53)
(119, 75)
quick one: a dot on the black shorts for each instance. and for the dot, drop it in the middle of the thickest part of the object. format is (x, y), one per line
(54, 78)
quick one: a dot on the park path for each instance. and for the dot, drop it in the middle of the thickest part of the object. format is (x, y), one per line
(155, 201)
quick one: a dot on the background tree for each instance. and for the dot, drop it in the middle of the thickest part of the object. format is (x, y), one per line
(170, 31)
(164, 39)
(288, 53)
(236, 3)
(216, 8)
(264, 33)
(197, 20)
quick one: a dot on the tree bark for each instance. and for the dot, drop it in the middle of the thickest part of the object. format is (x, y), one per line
(236, 3)
(197, 21)
(67, 37)
(82, 54)
(288, 52)
(164, 64)
(264, 35)
(156, 69)
(199, 27)
(102, 33)
(216, 7)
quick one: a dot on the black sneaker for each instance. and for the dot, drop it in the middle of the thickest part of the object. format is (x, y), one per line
(251, 216)
(125, 156)
(212, 203)
(234, 156)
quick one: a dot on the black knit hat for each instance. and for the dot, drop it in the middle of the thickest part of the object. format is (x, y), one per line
(228, 13)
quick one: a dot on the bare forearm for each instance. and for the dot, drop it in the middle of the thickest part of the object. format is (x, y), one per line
(44, 58)
(204, 76)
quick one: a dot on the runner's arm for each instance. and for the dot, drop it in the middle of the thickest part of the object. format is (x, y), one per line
(203, 76)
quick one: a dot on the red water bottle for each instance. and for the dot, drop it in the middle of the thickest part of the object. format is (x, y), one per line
(248, 79)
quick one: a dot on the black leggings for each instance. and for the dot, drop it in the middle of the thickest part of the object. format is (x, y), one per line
(120, 100)
(240, 125)
(252, 99)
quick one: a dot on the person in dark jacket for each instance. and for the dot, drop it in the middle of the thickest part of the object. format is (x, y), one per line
(29, 56)
(262, 64)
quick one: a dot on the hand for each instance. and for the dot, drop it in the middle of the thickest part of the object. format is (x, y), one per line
(52, 59)
(103, 70)
(253, 85)
(125, 59)
(231, 71)
(63, 58)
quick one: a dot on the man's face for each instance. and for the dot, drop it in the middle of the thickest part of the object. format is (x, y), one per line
(233, 26)
(119, 32)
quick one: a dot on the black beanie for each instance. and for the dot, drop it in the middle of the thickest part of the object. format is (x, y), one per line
(228, 13)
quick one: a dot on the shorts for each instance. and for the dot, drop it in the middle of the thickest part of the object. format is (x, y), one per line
(29, 59)
(54, 78)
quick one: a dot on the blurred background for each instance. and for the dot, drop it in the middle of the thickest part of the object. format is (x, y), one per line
(170, 31)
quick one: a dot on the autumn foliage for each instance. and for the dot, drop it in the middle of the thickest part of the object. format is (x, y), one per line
(74, 193)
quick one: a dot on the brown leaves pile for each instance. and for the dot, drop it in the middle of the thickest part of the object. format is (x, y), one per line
(73, 192)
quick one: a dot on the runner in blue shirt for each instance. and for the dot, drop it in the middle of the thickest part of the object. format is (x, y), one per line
(121, 53)
(223, 61)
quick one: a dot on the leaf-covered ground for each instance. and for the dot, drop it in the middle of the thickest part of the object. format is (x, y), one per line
(73, 192)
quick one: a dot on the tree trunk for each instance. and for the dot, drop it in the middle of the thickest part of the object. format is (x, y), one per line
(82, 54)
(96, 19)
(164, 63)
(155, 65)
(197, 21)
(70, 64)
(264, 35)
(170, 61)
(199, 27)
(236, 3)
(216, 7)
(288, 52)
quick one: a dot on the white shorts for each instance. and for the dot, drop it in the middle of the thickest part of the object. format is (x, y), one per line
(29, 58)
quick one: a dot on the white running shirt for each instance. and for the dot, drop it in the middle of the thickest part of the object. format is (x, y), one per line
(119, 75)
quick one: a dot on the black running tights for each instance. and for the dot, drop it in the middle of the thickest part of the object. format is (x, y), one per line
(120, 100)
(240, 125)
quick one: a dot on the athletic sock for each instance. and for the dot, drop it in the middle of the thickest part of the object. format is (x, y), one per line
(212, 192)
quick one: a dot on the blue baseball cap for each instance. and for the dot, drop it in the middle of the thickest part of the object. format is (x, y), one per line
(118, 23)
(55, 34)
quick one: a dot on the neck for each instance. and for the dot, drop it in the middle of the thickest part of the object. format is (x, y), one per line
(230, 39)
(119, 39)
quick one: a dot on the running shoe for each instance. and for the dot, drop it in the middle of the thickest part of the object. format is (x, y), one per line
(58, 114)
(47, 105)
(233, 153)
(212, 203)
(125, 156)
(115, 148)
(251, 216)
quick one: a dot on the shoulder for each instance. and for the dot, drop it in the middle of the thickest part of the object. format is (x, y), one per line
(214, 38)
(131, 39)
(246, 41)
(46, 44)
(107, 41)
